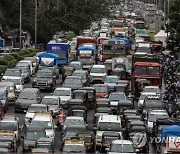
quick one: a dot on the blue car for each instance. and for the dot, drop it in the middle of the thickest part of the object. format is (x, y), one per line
(111, 81)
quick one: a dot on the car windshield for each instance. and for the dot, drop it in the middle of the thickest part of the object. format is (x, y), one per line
(117, 97)
(73, 81)
(8, 126)
(109, 126)
(15, 81)
(61, 93)
(140, 70)
(153, 104)
(44, 74)
(82, 75)
(34, 135)
(2, 96)
(98, 70)
(76, 66)
(153, 70)
(50, 101)
(111, 80)
(154, 117)
(33, 109)
(44, 124)
(75, 122)
(122, 148)
(74, 148)
(101, 89)
(12, 73)
(153, 90)
(27, 95)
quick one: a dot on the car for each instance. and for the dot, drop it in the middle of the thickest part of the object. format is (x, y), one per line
(18, 81)
(121, 146)
(11, 123)
(114, 99)
(54, 69)
(84, 76)
(29, 62)
(33, 108)
(11, 88)
(111, 81)
(67, 71)
(44, 79)
(26, 72)
(152, 89)
(64, 94)
(74, 146)
(73, 82)
(152, 116)
(76, 64)
(74, 121)
(35, 62)
(97, 74)
(12, 72)
(102, 90)
(45, 120)
(4, 98)
(27, 97)
(107, 123)
(32, 134)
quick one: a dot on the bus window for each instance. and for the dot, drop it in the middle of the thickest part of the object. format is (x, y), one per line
(153, 70)
(140, 70)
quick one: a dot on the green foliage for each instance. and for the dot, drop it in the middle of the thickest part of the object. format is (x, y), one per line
(70, 36)
(10, 61)
(53, 15)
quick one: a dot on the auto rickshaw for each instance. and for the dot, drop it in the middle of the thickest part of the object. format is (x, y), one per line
(1, 111)
(124, 104)
(131, 117)
(73, 102)
(95, 119)
(102, 102)
(89, 139)
(45, 143)
(67, 71)
(121, 87)
(91, 96)
(108, 65)
(104, 110)
(79, 110)
(81, 94)
(107, 138)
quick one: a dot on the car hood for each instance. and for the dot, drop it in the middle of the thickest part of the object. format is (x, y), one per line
(98, 74)
(29, 115)
(29, 143)
(26, 102)
(65, 98)
(43, 79)
(102, 95)
(72, 86)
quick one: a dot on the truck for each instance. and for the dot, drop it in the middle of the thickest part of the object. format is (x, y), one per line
(49, 60)
(62, 50)
(82, 39)
(87, 55)
(170, 139)
(146, 67)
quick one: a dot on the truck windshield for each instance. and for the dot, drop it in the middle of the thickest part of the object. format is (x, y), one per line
(153, 70)
(140, 70)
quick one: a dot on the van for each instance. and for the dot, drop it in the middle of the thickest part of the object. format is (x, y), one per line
(11, 88)
(30, 63)
(4, 98)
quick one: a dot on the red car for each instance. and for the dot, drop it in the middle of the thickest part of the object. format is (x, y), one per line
(102, 90)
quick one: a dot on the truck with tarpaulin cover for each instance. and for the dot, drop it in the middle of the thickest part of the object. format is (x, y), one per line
(49, 60)
(82, 39)
(143, 33)
(62, 50)
(146, 67)
(86, 54)
(170, 139)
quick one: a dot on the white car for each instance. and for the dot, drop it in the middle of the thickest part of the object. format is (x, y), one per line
(150, 89)
(64, 94)
(98, 73)
(153, 115)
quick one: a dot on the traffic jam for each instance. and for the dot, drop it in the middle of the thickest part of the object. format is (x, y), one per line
(114, 89)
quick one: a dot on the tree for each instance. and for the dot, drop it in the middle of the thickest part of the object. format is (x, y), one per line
(53, 15)
(174, 26)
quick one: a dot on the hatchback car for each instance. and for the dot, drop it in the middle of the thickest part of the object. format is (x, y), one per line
(102, 90)
(27, 97)
(111, 81)
(76, 64)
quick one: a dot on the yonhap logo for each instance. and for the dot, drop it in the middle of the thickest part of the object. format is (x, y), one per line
(139, 139)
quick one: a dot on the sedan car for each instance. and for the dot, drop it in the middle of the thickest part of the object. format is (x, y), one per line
(102, 90)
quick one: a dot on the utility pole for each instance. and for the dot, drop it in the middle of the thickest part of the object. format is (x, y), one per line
(20, 23)
(35, 24)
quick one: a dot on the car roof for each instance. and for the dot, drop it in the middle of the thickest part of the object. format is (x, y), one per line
(73, 77)
(75, 62)
(151, 87)
(74, 117)
(54, 97)
(14, 77)
(35, 128)
(109, 118)
(6, 83)
(63, 88)
(80, 71)
(13, 69)
(111, 76)
(38, 105)
(122, 142)
(9, 118)
(158, 112)
(30, 90)
(42, 116)
(98, 66)
(100, 85)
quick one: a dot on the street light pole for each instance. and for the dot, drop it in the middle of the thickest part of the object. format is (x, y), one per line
(20, 27)
(35, 24)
